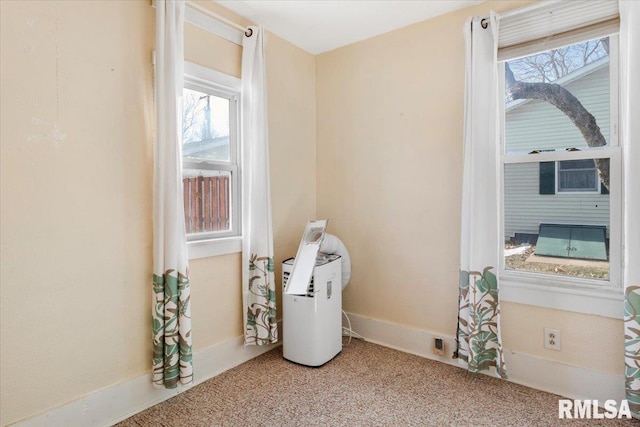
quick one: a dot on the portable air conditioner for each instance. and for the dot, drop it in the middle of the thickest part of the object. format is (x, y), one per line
(312, 301)
(312, 322)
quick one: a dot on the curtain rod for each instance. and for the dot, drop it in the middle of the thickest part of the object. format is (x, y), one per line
(193, 5)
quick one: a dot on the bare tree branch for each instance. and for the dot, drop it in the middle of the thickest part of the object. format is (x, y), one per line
(605, 44)
(566, 102)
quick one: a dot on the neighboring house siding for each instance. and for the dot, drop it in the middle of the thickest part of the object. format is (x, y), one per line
(539, 125)
(525, 209)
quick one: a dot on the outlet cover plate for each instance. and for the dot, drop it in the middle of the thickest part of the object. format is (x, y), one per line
(552, 339)
(438, 346)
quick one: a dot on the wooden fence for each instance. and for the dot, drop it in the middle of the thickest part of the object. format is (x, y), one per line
(206, 203)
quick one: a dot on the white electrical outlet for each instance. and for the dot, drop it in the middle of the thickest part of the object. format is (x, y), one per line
(552, 339)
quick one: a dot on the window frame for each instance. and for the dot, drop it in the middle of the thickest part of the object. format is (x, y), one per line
(209, 81)
(564, 292)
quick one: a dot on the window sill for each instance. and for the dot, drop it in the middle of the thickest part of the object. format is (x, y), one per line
(570, 296)
(214, 247)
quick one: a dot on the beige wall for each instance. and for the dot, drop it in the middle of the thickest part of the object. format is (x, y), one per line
(76, 164)
(389, 168)
(76, 126)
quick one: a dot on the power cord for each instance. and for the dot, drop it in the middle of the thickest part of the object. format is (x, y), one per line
(348, 332)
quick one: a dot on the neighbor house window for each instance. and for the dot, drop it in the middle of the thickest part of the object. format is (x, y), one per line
(561, 165)
(578, 175)
(210, 159)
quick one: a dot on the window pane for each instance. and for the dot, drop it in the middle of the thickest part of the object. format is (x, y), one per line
(562, 233)
(577, 164)
(579, 180)
(207, 200)
(534, 123)
(205, 131)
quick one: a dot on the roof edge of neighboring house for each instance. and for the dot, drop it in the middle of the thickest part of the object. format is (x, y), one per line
(564, 80)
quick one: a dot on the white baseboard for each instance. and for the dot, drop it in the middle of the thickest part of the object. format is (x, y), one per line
(116, 403)
(543, 374)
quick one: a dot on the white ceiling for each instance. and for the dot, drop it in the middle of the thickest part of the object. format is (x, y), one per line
(321, 25)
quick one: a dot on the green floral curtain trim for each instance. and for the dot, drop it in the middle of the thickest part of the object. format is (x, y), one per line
(261, 311)
(478, 335)
(172, 351)
(632, 347)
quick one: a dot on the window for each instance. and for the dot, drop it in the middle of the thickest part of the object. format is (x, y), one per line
(578, 175)
(561, 167)
(211, 162)
(571, 176)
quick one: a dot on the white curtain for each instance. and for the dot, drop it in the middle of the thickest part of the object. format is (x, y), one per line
(172, 353)
(630, 133)
(479, 341)
(259, 293)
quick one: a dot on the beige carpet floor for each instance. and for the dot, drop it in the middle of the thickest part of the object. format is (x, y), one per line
(365, 385)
